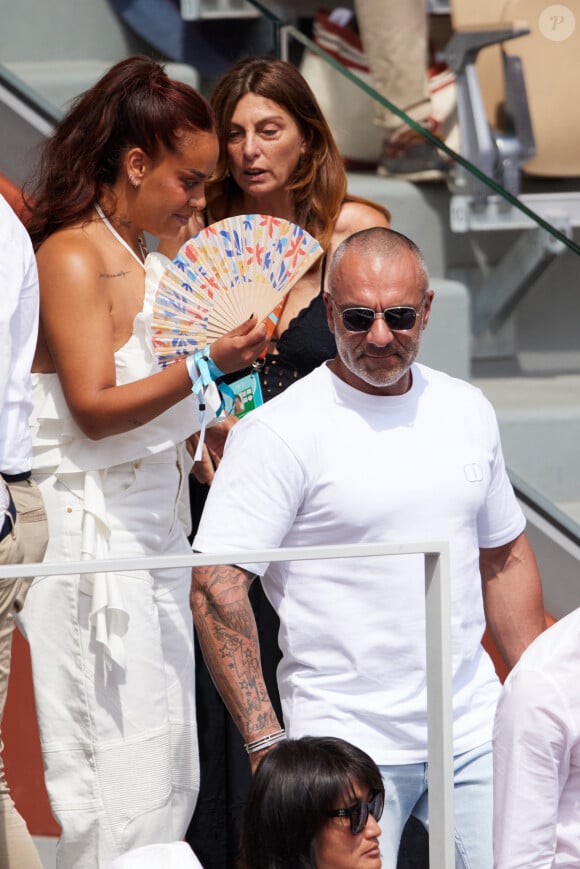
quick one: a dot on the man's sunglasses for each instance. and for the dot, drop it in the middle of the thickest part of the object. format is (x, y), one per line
(358, 814)
(400, 319)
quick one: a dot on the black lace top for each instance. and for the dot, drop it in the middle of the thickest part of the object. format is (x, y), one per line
(303, 346)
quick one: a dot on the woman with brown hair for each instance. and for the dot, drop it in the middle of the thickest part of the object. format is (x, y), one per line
(278, 157)
(112, 653)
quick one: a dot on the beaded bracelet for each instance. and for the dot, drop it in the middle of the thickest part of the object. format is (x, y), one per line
(265, 741)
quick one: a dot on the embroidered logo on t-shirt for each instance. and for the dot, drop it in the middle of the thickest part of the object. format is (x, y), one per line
(473, 472)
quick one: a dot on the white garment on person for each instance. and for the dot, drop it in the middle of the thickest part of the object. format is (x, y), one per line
(537, 755)
(326, 464)
(112, 653)
(62, 449)
(119, 744)
(176, 855)
(60, 444)
(18, 332)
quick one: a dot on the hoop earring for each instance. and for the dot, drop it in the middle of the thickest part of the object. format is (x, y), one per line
(133, 181)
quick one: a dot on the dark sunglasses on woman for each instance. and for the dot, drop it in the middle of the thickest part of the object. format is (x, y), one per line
(358, 814)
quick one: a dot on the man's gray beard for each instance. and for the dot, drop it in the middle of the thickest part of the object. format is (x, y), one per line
(379, 378)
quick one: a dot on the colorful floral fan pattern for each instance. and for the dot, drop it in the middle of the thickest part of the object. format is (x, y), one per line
(230, 270)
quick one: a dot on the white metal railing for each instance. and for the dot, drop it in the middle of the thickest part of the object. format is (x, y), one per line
(438, 647)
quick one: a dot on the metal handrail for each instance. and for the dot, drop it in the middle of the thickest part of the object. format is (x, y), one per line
(438, 646)
(284, 31)
(536, 501)
(26, 95)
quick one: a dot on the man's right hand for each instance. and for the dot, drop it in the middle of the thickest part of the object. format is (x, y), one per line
(212, 451)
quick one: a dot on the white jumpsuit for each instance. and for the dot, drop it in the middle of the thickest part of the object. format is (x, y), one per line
(112, 654)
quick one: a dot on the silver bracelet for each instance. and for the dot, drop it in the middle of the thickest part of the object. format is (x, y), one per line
(265, 741)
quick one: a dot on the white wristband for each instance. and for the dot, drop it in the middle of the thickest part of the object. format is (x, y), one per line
(192, 369)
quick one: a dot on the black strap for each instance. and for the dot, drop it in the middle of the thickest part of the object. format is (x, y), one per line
(16, 478)
(322, 272)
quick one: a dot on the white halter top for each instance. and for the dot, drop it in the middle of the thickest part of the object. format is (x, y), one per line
(121, 240)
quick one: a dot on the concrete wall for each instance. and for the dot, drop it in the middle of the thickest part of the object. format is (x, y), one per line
(543, 333)
(62, 30)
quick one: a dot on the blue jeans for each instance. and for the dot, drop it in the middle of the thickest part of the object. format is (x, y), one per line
(406, 794)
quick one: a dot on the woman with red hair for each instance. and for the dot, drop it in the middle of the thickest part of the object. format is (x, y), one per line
(112, 653)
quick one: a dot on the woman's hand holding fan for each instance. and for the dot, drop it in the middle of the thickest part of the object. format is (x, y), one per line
(240, 347)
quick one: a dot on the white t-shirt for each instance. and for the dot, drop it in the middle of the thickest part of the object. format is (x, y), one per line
(537, 755)
(326, 464)
(18, 333)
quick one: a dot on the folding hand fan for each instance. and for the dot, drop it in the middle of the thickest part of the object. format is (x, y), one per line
(230, 270)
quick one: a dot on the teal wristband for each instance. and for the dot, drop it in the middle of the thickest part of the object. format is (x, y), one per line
(207, 368)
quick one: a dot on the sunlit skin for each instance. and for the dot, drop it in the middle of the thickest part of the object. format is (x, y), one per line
(170, 191)
(172, 187)
(337, 848)
(377, 362)
(92, 288)
(264, 147)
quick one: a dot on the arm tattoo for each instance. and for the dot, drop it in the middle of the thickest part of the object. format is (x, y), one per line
(125, 221)
(227, 633)
(120, 274)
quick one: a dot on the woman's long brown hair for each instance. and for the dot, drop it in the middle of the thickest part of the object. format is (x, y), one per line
(135, 104)
(318, 185)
